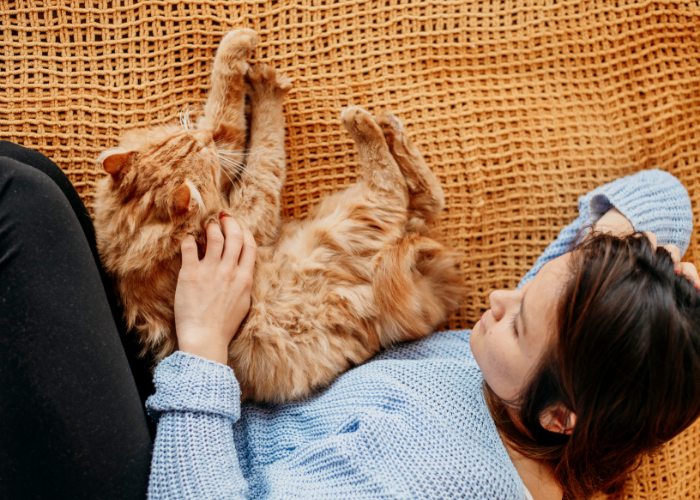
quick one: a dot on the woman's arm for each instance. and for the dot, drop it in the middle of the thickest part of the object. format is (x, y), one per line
(196, 403)
(197, 398)
(651, 200)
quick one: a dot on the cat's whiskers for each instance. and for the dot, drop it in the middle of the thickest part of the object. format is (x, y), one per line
(185, 119)
(232, 165)
(221, 146)
(239, 170)
(225, 172)
(228, 153)
(239, 175)
(231, 158)
(233, 162)
(232, 168)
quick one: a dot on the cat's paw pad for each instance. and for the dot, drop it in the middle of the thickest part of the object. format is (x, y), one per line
(237, 46)
(360, 123)
(389, 121)
(391, 126)
(264, 80)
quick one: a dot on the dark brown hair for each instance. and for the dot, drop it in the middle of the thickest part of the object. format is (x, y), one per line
(626, 361)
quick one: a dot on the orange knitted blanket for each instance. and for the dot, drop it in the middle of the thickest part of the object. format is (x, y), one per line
(518, 105)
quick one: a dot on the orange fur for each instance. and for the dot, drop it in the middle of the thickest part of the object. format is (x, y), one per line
(359, 274)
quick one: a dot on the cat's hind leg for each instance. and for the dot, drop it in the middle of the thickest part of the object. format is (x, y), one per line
(417, 281)
(378, 168)
(418, 284)
(426, 198)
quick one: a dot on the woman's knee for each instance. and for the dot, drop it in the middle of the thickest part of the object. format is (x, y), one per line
(14, 150)
(31, 157)
(24, 189)
(34, 159)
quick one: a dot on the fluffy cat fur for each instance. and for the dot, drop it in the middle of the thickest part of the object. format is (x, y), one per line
(358, 274)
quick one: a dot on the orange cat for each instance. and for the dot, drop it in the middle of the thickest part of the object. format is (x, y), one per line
(359, 274)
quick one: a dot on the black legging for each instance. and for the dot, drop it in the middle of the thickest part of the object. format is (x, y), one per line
(72, 421)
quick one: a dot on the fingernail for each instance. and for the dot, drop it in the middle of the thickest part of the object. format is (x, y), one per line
(677, 270)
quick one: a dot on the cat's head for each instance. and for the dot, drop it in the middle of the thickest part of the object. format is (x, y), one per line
(165, 175)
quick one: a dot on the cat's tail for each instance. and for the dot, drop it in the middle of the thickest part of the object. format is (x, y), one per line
(417, 285)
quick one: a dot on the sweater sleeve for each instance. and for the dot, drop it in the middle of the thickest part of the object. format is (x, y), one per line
(196, 403)
(652, 200)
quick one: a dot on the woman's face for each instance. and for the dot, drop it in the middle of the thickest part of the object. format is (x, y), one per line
(511, 337)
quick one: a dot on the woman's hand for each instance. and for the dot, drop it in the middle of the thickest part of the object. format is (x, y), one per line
(615, 223)
(686, 269)
(213, 294)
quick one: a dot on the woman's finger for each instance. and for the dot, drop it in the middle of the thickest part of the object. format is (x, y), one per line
(215, 242)
(674, 251)
(689, 270)
(188, 247)
(247, 260)
(652, 238)
(233, 235)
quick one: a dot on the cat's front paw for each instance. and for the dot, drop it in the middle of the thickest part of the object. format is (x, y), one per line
(265, 82)
(360, 123)
(392, 128)
(236, 48)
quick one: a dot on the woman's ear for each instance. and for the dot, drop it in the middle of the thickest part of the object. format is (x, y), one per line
(115, 160)
(181, 199)
(558, 418)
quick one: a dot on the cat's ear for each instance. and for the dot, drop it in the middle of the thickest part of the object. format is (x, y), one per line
(115, 160)
(181, 199)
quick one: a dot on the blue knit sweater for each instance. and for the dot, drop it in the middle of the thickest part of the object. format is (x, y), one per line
(410, 423)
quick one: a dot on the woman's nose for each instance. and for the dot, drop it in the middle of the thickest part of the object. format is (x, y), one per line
(499, 301)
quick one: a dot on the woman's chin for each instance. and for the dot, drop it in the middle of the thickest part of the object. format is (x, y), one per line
(472, 342)
(476, 329)
(476, 342)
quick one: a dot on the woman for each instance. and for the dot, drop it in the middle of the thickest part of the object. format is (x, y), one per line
(593, 360)
(416, 421)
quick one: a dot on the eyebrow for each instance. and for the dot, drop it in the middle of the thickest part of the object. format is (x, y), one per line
(521, 315)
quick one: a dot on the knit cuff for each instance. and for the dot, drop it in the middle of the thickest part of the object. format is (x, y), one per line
(652, 200)
(188, 383)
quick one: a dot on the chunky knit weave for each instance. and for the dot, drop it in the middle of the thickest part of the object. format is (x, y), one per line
(410, 423)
